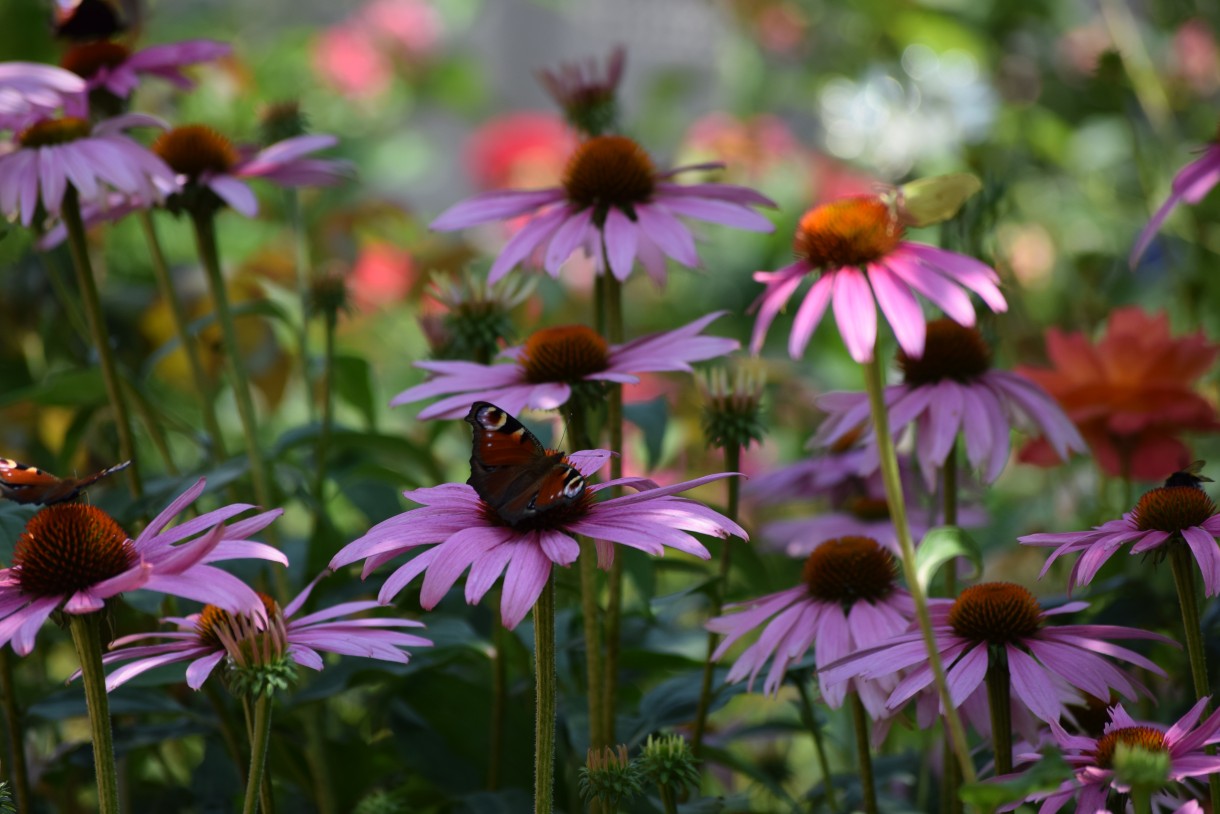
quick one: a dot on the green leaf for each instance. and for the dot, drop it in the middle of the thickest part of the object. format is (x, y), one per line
(942, 544)
(353, 382)
(652, 417)
(71, 388)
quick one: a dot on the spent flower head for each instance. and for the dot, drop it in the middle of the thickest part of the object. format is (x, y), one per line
(588, 96)
(282, 120)
(477, 315)
(732, 407)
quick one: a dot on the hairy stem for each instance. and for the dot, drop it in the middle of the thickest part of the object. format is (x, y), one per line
(1182, 565)
(544, 700)
(260, 739)
(87, 636)
(614, 603)
(19, 771)
(864, 755)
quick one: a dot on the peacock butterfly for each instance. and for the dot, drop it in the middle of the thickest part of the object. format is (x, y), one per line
(22, 483)
(513, 472)
(87, 21)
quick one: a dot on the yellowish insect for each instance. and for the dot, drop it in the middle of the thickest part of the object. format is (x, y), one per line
(926, 201)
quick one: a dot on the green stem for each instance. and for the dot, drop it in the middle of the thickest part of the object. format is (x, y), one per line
(544, 699)
(614, 603)
(79, 245)
(1182, 565)
(67, 299)
(732, 463)
(819, 746)
(499, 696)
(999, 703)
(950, 803)
(577, 415)
(864, 755)
(327, 422)
(19, 771)
(893, 491)
(165, 285)
(667, 799)
(260, 739)
(87, 636)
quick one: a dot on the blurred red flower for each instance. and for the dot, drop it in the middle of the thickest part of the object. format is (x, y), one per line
(523, 150)
(1132, 394)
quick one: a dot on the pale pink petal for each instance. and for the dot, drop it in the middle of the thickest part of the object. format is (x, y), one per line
(522, 245)
(568, 238)
(524, 582)
(856, 313)
(621, 237)
(235, 193)
(901, 309)
(492, 206)
(668, 233)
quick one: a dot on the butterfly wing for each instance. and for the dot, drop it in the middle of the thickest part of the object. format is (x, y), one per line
(22, 483)
(512, 471)
(88, 21)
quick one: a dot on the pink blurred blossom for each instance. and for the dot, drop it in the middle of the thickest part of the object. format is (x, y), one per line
(346, 56)
(382, 274)
(520, 150)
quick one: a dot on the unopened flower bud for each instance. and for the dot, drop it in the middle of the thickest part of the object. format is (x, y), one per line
(732, 406)
(610, 776)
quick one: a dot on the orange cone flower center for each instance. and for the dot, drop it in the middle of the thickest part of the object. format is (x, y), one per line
(54, 131)
(850, 232)
(1173, 508)
(849, 569)
(868, 508)
(194, 149)
(609, 171)
(951, 351)
(246, 640)
(87, 59)
(1140, 737)
(68, 547)
(996, 613)
(567, 353)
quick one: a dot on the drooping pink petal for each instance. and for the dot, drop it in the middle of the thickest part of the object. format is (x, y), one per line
(492, 206)
(524, 581)
(621, 236)
(856, 313)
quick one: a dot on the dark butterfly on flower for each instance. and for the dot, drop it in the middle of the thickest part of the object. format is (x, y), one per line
(87, 21)
(1189, 476)
(22, 483)
(513, 472)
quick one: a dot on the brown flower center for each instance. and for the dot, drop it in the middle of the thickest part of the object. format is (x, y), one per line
(1172, 509)
(850, 232)
(1141, 737)
(219, 628)
(609, 171)
(567, 353)
(555, 517)
(849, 569)
(951, 351)
(54, 131)
(194, 149)
(868, 508)
(996, 613)
(68, 547)
(87, 59)
(848, 439)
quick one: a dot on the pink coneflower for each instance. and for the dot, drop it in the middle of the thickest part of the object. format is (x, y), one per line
(552, 360)
(848, 600)
(206, 161)
(1171, 515)
(94, 159)
(611, 194)
(1191, 184)
(73, 557)
(1092, 760)
(205, 639)
(857, 249)
(113, 67)
(31, 91)
(468, 533)
(1041, 659)
(951, 390)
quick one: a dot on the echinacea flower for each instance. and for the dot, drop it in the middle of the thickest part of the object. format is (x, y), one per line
(206, 161)
(1093, 779)
(952, 390)
(848, 600)
(465, 532)
(1171, 515)
(856, 250)
(206, 638)
(94, 159)
(115, 68)
(73, 557)
(552, 360)
(613, 196)
(1042, 659)
(1131, 393)
(1191, 184)
(587, 96)
(30, 91)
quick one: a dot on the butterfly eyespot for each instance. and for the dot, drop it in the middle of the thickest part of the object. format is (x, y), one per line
(493, 418)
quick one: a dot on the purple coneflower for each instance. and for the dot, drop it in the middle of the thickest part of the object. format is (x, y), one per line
(206, 161)
(1167, 516)
(1092, 760)
(73, 557)
(113, 67)
(856, 248)
(467, 533)
(206, 638)
(1041, 659)
(30, 91)
(552, 360)
(952, 389)
(849, 599)
(611, 195)
(1191, 183)
(94, 159)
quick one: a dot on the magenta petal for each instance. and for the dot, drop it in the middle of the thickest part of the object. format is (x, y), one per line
(727, 214)
(856, 313)
(780, 287)
(622, 240)
(808, 316)
(236, 194)
(522, 244)
(1032, 686)
(524, 582)
(1203, 546)
(901, 309)
(668, 233)
(198, 670)
(569, 237)
(494, 206)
